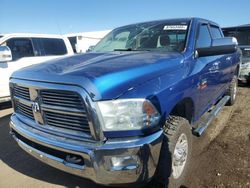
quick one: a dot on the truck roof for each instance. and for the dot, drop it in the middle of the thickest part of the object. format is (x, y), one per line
(31, 35)
(174, 20)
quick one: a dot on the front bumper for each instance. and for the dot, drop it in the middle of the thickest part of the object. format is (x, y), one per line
(96, 156)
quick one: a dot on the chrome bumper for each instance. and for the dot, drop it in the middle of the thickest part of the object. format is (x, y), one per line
(97, 156)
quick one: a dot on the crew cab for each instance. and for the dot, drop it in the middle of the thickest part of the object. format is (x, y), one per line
(18, 50)
(126, 112)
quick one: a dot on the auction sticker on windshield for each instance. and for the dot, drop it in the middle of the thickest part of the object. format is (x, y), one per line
(175, 27)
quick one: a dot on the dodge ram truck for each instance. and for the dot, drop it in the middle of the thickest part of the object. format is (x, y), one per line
(125, 113)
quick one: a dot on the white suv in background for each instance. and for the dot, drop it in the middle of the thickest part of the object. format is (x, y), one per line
(21, 50)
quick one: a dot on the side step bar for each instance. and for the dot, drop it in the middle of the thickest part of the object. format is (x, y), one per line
(204, 124)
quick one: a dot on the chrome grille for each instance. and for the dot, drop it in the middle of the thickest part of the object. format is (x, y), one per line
(61, 98)
(24, 110)
(60, 110)
(22, 92)
(71, 122)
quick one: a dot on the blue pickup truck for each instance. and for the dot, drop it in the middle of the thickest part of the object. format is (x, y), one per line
(125, 113)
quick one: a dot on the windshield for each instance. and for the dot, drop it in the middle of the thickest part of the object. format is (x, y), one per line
(167, 36)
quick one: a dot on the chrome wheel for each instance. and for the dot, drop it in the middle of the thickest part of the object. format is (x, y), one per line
(179, 158)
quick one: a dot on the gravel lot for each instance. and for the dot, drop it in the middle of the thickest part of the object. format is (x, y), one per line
(225, 160)
(221, 156)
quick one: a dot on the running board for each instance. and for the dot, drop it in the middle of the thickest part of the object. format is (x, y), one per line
(204, 124)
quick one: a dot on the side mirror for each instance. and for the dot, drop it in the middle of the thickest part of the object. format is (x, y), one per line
(90, 48)
(5, 54)
(220, 46)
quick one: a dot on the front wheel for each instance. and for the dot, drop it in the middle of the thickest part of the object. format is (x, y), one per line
(175, 153)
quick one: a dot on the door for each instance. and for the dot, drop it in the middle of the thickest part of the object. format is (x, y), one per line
(224, 62)
(22, 50)
(209, 72)
(26, 52)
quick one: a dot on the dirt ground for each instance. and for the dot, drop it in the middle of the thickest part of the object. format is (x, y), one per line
(225, 160)
(221, 157)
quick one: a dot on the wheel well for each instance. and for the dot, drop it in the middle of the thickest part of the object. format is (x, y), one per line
(185, 109)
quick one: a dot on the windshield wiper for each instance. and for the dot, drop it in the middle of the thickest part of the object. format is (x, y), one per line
(125, 49)
(131, 49)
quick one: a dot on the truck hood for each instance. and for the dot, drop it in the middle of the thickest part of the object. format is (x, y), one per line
(103, 75)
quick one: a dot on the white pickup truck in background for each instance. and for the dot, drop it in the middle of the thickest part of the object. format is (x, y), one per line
(21, 50)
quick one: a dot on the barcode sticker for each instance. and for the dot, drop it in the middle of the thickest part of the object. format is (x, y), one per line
(175, 27)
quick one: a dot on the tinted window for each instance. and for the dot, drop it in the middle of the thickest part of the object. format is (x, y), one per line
(20, 47)
(72, 41)
(215, 31)
(49, 46)
(204, 38)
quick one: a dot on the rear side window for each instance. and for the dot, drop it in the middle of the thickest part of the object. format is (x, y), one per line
(215, 31)
(49, 46)
(204, 39)
(20, 47)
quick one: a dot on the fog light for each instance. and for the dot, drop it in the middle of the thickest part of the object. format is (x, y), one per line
(124, 163)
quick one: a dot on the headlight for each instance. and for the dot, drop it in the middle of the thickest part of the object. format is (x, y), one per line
(127, 114)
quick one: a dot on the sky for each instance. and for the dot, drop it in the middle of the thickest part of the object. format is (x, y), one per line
(71, 16)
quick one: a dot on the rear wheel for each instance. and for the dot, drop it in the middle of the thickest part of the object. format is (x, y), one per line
(175, 153)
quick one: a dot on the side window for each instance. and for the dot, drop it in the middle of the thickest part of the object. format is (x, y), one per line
(204, 39)
(49, 46)
(73, 41)
(20, 47)
(215, 31)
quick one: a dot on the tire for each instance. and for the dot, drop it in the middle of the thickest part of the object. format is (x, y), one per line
(175, 129)
(232, 91)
